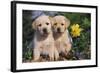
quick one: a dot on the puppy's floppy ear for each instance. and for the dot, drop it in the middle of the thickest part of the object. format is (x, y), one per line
(34, 25)
(51, 20)
(67, 21)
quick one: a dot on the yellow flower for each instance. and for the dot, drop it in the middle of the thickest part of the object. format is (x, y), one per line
(75, 30)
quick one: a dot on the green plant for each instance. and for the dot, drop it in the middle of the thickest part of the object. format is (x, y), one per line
(28, 55)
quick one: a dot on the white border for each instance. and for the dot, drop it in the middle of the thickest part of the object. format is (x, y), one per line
(36, 65)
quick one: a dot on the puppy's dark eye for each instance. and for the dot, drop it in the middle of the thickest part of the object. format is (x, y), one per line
(39, 25)
(62, 24)
(47, 23)
(55, 24)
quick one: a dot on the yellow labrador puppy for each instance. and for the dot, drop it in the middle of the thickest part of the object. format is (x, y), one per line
(60, 33)
(43, 38)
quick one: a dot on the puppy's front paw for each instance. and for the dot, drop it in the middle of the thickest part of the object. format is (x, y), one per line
(51, 55)
(56, 55)
(68, 47)
(36, 55)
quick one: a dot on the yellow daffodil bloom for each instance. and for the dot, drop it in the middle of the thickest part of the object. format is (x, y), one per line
(75, 30)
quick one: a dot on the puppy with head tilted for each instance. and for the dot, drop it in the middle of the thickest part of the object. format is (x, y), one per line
(43, 38)
(60, 33)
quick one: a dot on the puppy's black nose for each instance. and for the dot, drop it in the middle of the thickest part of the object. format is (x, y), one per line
(45, 30)
(58, 29)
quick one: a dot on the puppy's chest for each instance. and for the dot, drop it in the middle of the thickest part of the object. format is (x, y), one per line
(60, 43)
(46, 44)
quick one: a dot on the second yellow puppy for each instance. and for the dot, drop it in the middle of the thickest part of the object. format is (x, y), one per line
(60, 33)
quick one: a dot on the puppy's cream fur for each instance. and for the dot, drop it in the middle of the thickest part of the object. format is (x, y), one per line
(60, 32)
(43, 39)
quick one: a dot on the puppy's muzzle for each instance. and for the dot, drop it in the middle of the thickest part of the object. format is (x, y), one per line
(45, 31)
(58, 30)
